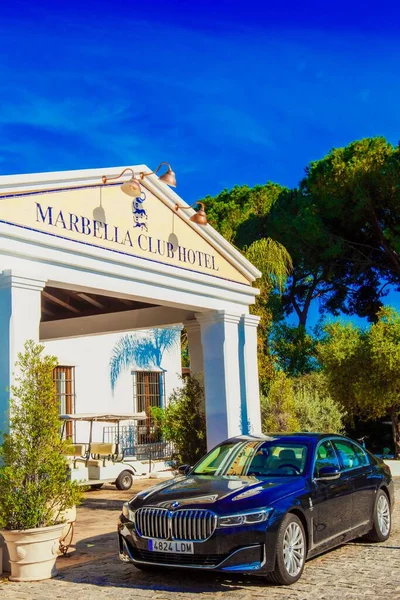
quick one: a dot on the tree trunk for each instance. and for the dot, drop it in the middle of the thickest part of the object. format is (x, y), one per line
(394, 414)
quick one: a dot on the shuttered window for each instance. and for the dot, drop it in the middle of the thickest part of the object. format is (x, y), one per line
(148, 390)
(64, 378)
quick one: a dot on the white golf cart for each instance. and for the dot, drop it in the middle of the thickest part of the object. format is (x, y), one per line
(96, 463)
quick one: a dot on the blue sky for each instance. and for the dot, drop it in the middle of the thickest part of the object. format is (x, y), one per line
(227, 92)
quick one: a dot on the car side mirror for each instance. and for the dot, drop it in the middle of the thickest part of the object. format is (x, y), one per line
(184, 469)
(328, 474)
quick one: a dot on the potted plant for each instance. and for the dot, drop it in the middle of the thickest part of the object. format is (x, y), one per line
(35, 489)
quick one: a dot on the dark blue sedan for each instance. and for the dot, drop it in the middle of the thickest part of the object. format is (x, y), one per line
(260, 505)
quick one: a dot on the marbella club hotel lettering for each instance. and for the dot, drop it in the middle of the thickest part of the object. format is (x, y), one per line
(127, 238)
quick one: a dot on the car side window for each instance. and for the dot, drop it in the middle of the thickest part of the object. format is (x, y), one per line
(351, 456)
(326, 457)
(363, 459)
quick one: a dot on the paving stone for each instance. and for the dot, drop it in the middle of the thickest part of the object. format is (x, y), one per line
(93, 572)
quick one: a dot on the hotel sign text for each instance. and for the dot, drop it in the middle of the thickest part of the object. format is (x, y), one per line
(82, 225)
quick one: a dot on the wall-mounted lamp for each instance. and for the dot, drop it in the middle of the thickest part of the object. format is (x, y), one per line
(132, 187)
(199, 217)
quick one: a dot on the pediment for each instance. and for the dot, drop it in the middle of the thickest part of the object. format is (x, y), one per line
(147, 227)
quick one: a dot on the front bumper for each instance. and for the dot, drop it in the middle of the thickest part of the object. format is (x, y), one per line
(246, 549)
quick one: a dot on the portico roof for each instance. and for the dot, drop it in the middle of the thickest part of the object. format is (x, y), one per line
(76, 206)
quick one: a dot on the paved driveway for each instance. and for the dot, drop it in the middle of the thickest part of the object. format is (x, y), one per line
(353, 571)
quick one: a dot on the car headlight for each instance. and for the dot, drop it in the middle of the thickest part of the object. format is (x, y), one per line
(128, 512)
(247, 518)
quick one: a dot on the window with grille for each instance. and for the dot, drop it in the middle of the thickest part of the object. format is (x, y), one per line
(148, 390)
(64, 378)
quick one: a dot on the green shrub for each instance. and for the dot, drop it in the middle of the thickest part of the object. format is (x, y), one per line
(278, 407)
(315, 409)
(34, 483)
(183, 421)
(300, 404)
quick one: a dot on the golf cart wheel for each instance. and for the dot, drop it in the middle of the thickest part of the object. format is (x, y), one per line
(124, 481)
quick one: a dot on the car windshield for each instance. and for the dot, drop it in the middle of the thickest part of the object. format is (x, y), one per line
(276, 458)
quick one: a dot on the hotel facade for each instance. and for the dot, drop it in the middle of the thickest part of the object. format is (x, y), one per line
(106, 282)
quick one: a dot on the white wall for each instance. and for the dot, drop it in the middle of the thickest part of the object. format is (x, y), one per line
(91, 358)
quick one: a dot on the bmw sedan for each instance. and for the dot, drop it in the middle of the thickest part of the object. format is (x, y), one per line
(260, 505)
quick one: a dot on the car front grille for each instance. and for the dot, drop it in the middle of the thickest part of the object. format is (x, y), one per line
(186, 525)
(152, 523)
(199, 560)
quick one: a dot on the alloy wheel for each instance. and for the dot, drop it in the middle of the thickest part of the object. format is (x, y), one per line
(293, 549)
(383, 514)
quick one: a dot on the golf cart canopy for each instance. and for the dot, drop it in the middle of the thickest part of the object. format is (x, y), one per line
(106, 417)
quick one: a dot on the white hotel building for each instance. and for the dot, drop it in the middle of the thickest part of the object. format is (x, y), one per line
(98, 276)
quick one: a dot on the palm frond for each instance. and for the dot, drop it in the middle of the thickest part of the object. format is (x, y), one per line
(165, 340)
(144, 352)
(123, 355)
(272, 259)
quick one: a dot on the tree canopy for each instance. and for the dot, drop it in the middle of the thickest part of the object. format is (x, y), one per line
(340, 227)
(334, 242)
(294, 349)
(362, 367)
(342, 230)
(358, 194)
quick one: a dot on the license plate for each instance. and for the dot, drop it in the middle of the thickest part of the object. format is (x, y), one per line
(171, 547)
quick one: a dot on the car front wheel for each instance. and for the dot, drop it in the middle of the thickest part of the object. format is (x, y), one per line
(382, 521)
(290, 551)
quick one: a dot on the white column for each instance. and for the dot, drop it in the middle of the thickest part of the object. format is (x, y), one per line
(195, 347)
(220, 341)
(195, 351)
(20, 313)
(249, 374)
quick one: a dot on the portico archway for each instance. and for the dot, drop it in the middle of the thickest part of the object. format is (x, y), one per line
(69, 269)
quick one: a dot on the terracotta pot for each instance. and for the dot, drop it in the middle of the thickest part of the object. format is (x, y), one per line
(33, 552)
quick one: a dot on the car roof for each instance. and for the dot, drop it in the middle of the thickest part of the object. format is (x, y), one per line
(293, 437)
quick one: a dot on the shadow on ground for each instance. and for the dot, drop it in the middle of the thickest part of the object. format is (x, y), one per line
(112, 573)
(102, 503)
(94, 561)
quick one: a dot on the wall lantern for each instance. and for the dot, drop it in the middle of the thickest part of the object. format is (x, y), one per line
(199, 217)
(132, 187)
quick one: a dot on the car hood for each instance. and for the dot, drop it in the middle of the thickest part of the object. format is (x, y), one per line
(219, 493)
